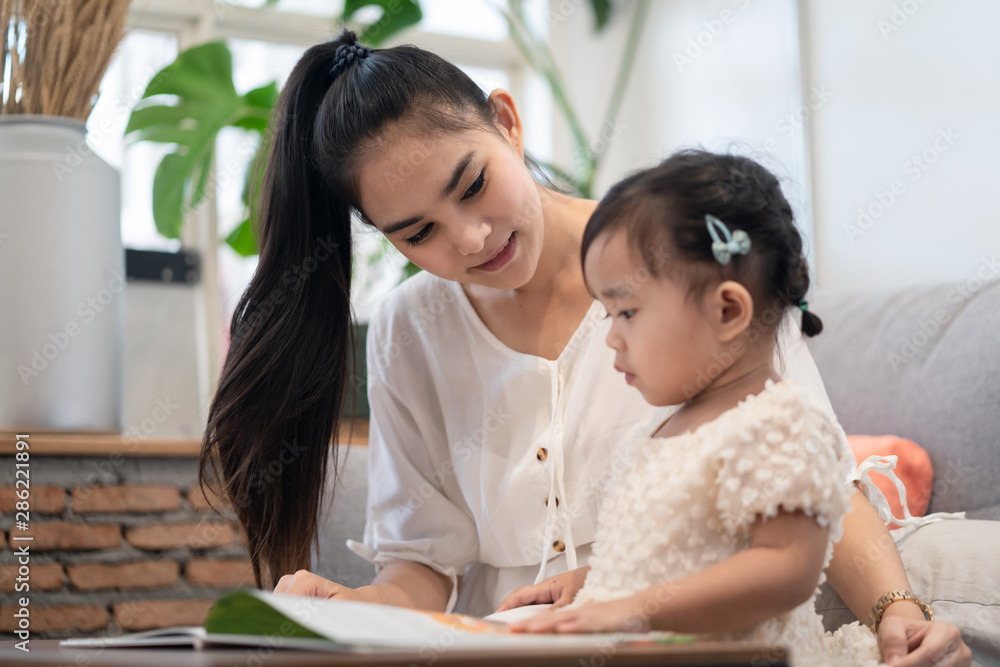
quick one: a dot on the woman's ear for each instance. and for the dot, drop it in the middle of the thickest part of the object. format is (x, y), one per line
(508, 119)
(730, 310)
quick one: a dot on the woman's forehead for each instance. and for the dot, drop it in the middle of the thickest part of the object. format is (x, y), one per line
(407, 172)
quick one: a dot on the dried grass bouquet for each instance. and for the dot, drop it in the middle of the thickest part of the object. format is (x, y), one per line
(55, 53)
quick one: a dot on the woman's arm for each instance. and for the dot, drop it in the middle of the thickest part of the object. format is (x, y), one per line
(400, 583)
(404, 583)
(866, 564)
(777, 573)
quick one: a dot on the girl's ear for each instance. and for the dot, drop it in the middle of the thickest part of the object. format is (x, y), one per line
(508, 119)
(730, 310)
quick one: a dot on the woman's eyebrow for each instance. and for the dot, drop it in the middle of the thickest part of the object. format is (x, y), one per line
(456, 176)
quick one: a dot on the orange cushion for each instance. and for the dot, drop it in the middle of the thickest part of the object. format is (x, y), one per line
(913, 468)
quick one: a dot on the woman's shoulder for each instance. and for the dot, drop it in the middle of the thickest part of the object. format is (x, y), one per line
(418, 300)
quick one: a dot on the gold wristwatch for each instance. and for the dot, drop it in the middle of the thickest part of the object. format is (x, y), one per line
(878, 609)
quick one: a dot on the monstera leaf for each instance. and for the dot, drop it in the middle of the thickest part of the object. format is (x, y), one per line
(186, 104)
(396, 15)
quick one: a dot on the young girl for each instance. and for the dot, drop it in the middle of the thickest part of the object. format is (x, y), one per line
(725, 518)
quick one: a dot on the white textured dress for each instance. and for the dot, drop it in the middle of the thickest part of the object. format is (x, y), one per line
(684, 503)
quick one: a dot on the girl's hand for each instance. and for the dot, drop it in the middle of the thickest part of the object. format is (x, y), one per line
(559, 590)
(305, 582)
(624, 615)
(908, 642)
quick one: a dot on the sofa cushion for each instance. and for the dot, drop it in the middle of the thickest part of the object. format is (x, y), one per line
(922, 363)
(913, 468)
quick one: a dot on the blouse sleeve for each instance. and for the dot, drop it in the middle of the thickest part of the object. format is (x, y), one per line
(795, 363)
(415, 511)
(783, 455)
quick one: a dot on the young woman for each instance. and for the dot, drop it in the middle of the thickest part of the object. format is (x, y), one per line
(492, 402)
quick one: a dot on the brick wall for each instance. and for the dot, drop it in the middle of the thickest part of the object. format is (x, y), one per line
(120, 544)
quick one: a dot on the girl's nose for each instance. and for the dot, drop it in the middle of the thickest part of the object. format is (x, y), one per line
(614, 339)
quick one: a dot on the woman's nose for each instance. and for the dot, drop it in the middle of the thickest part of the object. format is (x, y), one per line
(470, 237)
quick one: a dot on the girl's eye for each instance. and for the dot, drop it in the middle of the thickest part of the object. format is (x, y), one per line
(476, 186)
(627, 314)
(420, 236)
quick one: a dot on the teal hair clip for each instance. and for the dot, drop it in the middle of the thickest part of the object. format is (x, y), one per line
(735, 243)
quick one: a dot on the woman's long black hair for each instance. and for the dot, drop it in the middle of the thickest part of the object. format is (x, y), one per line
(282, 390)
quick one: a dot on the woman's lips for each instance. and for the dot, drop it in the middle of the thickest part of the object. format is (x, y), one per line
(502, 257)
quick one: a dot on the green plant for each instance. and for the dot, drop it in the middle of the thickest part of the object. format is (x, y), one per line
(536, 51)
(191, 100)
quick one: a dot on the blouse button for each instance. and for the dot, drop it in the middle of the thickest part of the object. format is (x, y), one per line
(542, 454)
(558, 546)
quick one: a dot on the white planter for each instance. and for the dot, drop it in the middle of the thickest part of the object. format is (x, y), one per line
(62, 280)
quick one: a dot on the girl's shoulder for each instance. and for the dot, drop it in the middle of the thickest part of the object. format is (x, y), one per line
(781, 411)
(783, 408)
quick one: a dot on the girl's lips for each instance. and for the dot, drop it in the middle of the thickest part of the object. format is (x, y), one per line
(629, 377)
(502, 257)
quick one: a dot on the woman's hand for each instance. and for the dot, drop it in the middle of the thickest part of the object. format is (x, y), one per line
(559, 590)
(908, 642)
(305, 582)
(623, 615)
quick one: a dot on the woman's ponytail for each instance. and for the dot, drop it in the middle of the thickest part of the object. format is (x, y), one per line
(277, 409)
(281, 392)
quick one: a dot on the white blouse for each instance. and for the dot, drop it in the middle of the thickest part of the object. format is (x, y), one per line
(490, 463)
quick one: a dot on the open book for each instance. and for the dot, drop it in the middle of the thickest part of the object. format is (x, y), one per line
(257, 618)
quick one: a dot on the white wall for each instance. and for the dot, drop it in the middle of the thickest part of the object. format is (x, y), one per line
(814, 90)
(719, 74)
(896, 95)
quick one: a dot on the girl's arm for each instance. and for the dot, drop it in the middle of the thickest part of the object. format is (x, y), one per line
(777, 573)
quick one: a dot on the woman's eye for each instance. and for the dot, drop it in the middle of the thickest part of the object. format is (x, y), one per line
(421, 235)
(627, 314)
(477, 185)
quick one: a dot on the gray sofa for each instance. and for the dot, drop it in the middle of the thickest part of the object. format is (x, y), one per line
(922, 363)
